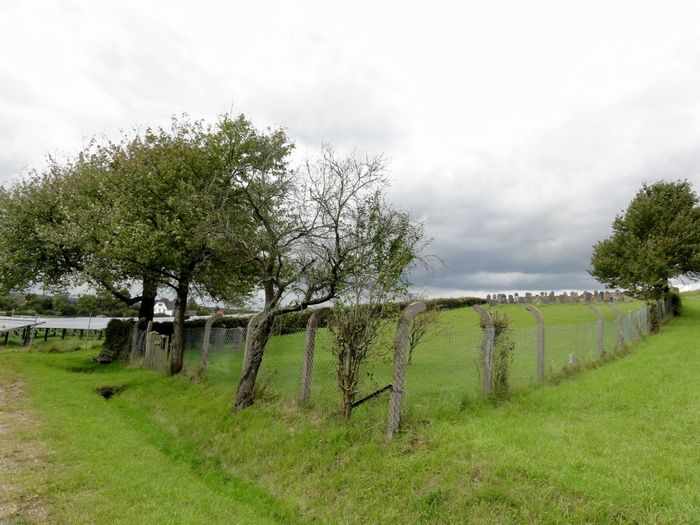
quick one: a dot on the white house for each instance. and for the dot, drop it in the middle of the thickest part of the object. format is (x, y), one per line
(164, 307)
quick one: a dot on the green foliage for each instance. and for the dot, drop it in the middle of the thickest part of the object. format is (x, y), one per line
(356, 331)
(654, 317)
(151, 207)
(38, 303)
(655, 240)
(62, 305)
(9, 302)
(676, 302)
(117, 340)
(441, 303)
(503, 353)
(31, 212)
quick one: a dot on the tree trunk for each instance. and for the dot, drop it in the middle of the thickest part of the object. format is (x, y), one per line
(347, 381)
(148, 297)
(245, 392)
(177, 343)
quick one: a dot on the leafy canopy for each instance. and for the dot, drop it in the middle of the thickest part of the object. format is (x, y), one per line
(656, 239)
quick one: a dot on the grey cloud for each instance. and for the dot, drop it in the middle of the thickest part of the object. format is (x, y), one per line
(528, 220)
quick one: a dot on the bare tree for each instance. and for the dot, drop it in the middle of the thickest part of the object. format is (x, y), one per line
(312, 239)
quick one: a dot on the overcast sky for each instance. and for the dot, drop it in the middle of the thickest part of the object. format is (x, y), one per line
(516, 130)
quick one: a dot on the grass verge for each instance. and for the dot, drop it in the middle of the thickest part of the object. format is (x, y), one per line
(616, 444)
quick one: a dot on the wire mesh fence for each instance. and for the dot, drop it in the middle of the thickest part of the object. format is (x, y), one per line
(224, 353)
(443, 370)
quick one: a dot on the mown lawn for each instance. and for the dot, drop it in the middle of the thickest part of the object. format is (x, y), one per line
(613, 444)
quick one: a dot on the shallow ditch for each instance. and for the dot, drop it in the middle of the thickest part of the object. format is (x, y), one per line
(109, 391)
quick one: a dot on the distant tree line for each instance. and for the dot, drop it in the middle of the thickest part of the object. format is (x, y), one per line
(102, 303)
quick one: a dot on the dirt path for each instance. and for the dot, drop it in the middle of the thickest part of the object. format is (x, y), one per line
(20, 458)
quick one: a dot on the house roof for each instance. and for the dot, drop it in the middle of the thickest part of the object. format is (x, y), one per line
(169, 303)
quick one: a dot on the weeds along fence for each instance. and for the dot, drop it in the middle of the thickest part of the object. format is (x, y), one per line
(442, 370)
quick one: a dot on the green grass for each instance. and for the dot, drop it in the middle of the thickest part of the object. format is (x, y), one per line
(617, 444)
(445, 368)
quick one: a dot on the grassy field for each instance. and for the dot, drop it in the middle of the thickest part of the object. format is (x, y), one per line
(616, 444)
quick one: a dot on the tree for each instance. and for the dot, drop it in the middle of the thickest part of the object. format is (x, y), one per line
(318, 231)
(39, 243)
(38, 303)
(158, 196)
(86, 305)
(62, 305)
(386, 245)
(145, 207)
(656, 239)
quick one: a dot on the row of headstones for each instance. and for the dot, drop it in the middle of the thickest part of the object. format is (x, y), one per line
(606, 296)
(219, 338)
(157, 347)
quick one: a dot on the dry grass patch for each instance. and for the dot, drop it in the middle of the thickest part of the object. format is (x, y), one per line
(20, 454)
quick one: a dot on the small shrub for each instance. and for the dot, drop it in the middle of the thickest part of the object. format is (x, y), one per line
(503, 350)
(356, 334)
(654, 321)
(118, 338)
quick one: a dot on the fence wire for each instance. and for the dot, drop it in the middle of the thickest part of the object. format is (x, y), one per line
(444, 370)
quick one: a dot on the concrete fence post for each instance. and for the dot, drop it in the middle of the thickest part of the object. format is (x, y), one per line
(400, 344)
(599, 329)
(249, 336)
(620, 342)
(487, 346)
(204, 354)
(309, 347)
(540, 340)
(638, 321)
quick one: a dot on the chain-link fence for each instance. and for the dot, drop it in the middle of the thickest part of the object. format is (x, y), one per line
(444, 368)
(224, 352)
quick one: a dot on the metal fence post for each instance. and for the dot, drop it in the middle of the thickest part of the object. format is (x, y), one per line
(204, 355)
(599, 329)
(540, 340)
(487, 346)
(309, 347)
(400, 343)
